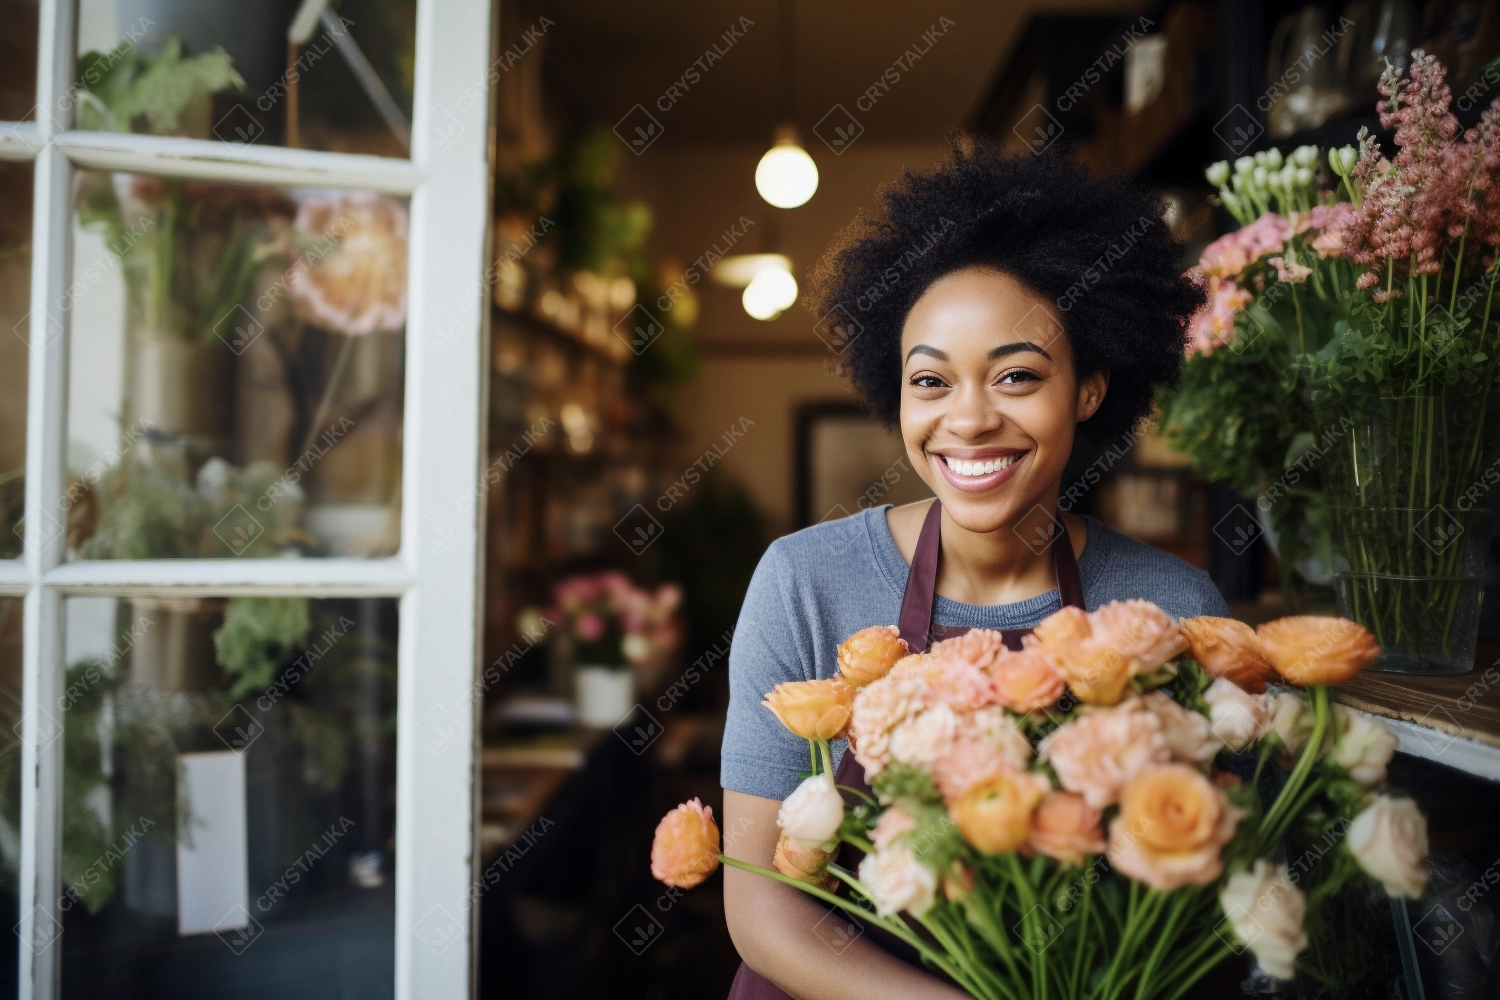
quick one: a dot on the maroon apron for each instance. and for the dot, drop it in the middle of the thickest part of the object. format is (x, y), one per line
(919, 630)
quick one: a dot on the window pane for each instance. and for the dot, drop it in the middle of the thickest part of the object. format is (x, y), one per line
(15, 309)
(235, 382)
(233, 75)
(18, 60)
(10, 782)
(228, 798)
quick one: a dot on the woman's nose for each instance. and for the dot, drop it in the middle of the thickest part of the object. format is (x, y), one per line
(972, 413)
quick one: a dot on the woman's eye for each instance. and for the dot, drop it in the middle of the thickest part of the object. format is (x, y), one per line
(1016, 377)
(927, 382)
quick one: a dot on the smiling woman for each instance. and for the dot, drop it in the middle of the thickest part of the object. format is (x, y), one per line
(1048, 303)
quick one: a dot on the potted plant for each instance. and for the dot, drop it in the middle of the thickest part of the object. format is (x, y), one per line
(614, 629)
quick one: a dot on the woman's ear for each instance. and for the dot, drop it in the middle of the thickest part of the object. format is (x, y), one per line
(1091, 390)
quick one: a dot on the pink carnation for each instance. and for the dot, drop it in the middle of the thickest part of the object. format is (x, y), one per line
(893, 823)
(1098, 753)
(1140, 631)
(880, 707)
(1213, 325)
(1230, 254)
(978, 646)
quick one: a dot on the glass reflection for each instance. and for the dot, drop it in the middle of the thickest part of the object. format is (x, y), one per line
(236, 373)
(228, 797)
(332, 76)
(18, 60)
(15, 312)
(10, 783)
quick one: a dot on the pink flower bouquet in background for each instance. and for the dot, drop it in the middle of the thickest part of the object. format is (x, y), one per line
(613, 623)
(1080, 818)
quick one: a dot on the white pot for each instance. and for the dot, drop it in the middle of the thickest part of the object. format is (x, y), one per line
(605, 695)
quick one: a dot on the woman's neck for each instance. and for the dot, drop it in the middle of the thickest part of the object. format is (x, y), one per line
(1012, 563)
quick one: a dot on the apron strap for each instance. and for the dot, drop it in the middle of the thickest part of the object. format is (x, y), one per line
(917, 601)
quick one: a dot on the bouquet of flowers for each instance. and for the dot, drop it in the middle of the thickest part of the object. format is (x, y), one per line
(1067, 820)
(1279, 288)
(613, 623)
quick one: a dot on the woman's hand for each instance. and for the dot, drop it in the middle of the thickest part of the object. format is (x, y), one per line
(772, 925)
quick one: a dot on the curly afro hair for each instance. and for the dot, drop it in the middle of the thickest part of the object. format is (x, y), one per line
(1095, 247)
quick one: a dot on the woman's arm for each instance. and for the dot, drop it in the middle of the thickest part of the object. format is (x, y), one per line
(772, 925)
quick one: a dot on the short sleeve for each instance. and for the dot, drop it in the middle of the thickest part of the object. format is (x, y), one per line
(1211, 601)
(772, 643)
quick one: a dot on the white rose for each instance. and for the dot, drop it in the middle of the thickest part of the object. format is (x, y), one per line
(1186, 732)
(898, 881)
(1291, 721)
(811, 815)
(1389, 840)
(1236, 716)
(1364, 746)
(1265, 910)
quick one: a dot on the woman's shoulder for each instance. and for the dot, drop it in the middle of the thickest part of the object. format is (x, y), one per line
(835, 545)
(1116, 567)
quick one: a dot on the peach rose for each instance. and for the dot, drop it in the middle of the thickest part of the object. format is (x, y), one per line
(1173, 823)
(1389, 840)
(1066, 827)
(1025, 681)
(1098, 753)
(1265, 910)
(1237, 718)
(995, 815)
(1291, 723)
(897, 881)
(814, 710)
(1228, 648)
(813, 812)
(1187, 733)
(869, 654)
(1314, 649)
(1363, 746)
(1098, 652)
(805, 864)
(685, 850)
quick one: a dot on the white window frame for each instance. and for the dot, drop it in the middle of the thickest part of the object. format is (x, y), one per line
(436, 574)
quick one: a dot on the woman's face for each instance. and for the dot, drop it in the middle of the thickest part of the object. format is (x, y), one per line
(989, 398)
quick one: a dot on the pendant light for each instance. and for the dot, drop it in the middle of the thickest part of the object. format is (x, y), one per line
(786, 176)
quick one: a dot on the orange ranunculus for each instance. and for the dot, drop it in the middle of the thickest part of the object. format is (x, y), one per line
(805, 864)
(1026, 680)
(685, 850)
(1096, 674)
(869, 654)
(814, 710)
(1066, 827)
(1172, 825)
(995, 815)
(1314, 649)
(1098, 652)
(1230, 649)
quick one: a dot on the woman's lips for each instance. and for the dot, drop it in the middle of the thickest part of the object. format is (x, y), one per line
(987, 481)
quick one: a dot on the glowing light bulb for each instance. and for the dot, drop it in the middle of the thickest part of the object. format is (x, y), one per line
(769, 292)
(787, 176)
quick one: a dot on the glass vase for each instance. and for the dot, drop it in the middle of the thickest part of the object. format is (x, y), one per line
(1408, 492)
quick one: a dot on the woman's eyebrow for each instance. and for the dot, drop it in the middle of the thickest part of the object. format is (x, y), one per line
(928, 350)
(1020, 345)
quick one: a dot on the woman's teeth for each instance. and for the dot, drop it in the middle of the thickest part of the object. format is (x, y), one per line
(982, 468)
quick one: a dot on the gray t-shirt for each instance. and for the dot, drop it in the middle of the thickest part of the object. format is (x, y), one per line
(816, 587)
